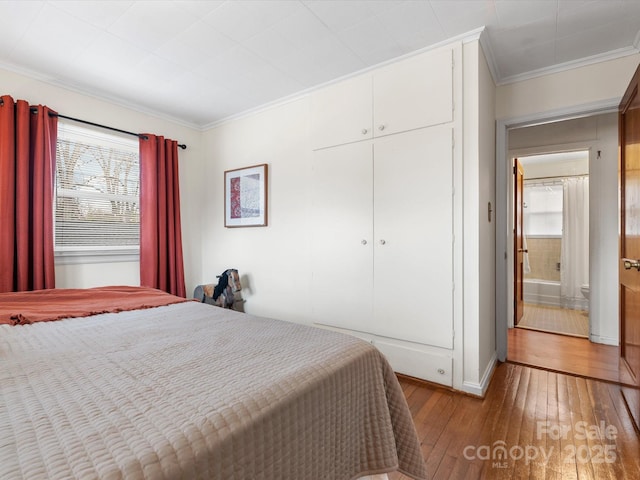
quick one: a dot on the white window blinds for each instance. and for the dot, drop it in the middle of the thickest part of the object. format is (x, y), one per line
(97, 191)
(543, 209)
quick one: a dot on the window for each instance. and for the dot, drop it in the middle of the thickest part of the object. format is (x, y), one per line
(543, 209)
(97, 193)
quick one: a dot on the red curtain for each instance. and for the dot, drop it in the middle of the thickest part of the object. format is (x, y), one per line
(27, 173)
(161, 261)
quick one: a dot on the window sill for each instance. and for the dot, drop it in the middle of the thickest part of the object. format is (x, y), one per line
(74, 257)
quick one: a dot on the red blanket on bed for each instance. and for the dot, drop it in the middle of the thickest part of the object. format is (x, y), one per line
(17, 308)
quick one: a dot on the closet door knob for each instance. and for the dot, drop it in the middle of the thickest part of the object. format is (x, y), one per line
(381, 127)
(363, 242)
(382, 241)
(364, 131)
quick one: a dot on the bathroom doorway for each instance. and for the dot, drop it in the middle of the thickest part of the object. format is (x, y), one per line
(596, 132)
(555, 242)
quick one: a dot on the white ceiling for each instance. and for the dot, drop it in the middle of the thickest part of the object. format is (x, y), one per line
(199, 62)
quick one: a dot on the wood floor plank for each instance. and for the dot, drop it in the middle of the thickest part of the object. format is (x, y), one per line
(463, 428)
(433, 426)
(618, 416)
(565, 418)
(582, 448)
(522, 468)
(525, 408)
(565, 354)
(605, 413)
(417, 399)
(438, 451)
(515, 420)
(426, 410)
(595, 452)
(551, 444)
(536, 450)
(487, 414)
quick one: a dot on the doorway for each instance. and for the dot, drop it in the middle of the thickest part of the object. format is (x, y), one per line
(555, 242)
(595, 131)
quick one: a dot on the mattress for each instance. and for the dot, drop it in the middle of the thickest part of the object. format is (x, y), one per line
(190, 391)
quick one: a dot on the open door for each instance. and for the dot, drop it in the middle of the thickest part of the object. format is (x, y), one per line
(629, 271)
(519, 250)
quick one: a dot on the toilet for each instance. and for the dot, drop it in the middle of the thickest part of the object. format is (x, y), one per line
(585, 290)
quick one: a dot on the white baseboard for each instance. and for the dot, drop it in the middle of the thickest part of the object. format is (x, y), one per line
(479, 389)
(604, 340)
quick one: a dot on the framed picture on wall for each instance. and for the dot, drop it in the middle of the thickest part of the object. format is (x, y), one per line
(245, 197)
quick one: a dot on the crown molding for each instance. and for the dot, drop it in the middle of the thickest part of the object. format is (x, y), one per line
(562, 67)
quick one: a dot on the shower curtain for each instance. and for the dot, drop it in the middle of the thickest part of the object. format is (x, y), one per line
(574, 255)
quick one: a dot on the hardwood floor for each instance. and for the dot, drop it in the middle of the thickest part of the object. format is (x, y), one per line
(562, 353)
(552, 425)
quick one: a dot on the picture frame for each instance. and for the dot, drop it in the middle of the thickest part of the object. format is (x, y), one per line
(245, 197)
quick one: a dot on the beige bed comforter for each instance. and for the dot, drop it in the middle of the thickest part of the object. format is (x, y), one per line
(194, 391)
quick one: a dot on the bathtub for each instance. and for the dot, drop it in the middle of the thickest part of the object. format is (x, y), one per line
(542, 292)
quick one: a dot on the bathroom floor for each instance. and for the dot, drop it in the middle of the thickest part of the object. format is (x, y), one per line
(556, 320)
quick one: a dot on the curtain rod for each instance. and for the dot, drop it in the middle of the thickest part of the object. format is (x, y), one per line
(139, 135)
(557, 176)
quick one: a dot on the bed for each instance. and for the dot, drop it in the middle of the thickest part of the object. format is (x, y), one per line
(137, 383)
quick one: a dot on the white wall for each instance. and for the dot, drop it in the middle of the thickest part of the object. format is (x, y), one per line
(587, 85)
(86, 107)
(88, 275)
(598, 134)
(273, 261)
(479, 234)
(487, 181)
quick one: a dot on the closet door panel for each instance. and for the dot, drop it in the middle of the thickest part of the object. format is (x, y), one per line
(342, 113)
(414, 93)
(341, 236)
(413, 249)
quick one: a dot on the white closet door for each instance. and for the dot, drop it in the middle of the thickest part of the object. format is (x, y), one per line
(413, 205)
(414, 93)
(341, 242)
(342, 113)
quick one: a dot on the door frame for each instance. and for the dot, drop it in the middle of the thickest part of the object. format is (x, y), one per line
(518, 244)
(504, 175)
